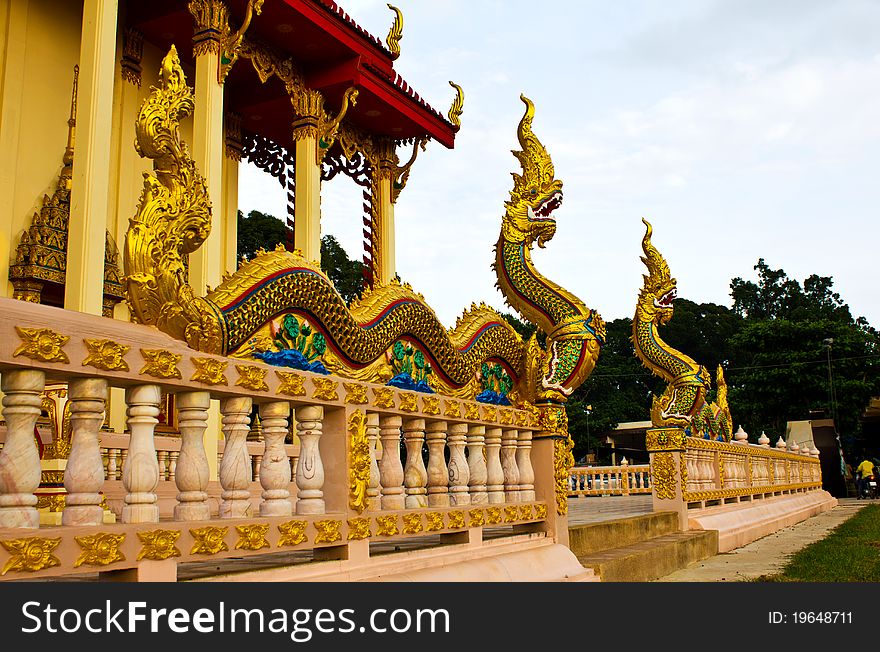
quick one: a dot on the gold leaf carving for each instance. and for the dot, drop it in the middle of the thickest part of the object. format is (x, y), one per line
(251, 377)
(106, 354)
(359, 461)
(387, 525)
(41, 344)
(161, 363)
(325, 389)
(525, 512)
(506, 417)
(99, 549)
(328, 531)
(431, 404)
(493, 515)
(359, 528)
(383, 397)
(412, 523)
(209, 371)
(252, 537)
(541, 511)
(451, 408)
(30, 554)
(456, 520)
(355, 394)
(663, 475)
(435, 521)
(409, 402)
(511, 514)
(291, 384)
(471, 411)
(475, 517)
(209, 540)
(158, 544)
(293, 533)
(490, 413)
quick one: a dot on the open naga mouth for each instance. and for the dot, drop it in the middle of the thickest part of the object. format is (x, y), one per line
(666, 300)
(543, 210)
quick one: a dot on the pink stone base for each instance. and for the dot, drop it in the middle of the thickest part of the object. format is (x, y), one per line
(741, 523)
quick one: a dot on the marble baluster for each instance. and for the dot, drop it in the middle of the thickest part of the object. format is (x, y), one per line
(508, 463)
(415, 475)
(84, 474)
(19, 459)
(391, 474)
(192, 473)
(524, 465)
(235, 467)
(275, 467)
(494, 469)
(476, 439)
(438, 474)
(310, 470)
(459, 472)
(140, 473)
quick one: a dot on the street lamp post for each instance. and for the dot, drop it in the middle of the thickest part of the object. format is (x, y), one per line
(827, 343)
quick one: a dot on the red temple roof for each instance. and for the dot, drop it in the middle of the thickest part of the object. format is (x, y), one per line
(331, 50)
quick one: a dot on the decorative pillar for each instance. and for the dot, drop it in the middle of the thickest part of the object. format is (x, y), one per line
(275, 467)
(438, 475)
(310, 470)
(211, 23)
(383, 250)
(415, 475)
(390, 469)
(459, 473)
(477, 464)
(667, 449)
(512, 473)
(191, 472)
(140, 473)
(231, 162)
(524, 465)
(90, 190)
(84, 474)
(494, 470)
(19, 459)
(235, 467)
(373, 438)
(307, 175)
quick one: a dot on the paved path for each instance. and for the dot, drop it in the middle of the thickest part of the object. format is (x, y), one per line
(770, 554)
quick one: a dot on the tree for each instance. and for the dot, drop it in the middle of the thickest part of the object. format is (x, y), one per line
(347, 275)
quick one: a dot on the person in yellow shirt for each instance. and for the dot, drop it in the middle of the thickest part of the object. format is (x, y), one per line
(863, 474)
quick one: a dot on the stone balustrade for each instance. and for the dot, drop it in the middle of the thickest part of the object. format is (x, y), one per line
(356, 473)
(621, 480)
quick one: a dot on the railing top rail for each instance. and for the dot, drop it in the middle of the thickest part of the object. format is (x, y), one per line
(694, 443)
(67, 344)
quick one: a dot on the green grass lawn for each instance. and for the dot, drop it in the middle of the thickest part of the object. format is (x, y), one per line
(850, 553)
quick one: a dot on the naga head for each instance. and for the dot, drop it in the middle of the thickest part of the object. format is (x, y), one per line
(536, 192)
(659, 288)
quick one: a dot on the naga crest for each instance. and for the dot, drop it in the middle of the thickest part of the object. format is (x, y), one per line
(659, 288)
(536, 192)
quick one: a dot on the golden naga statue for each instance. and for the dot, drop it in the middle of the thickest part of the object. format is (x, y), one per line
(284, 310)
(683, 404)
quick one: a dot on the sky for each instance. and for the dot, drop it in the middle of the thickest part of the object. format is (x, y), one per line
(741, 129)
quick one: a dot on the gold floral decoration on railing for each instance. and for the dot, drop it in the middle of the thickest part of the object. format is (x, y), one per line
(359, 462)
(525, 513)
(452, 409)
(209, 540)
(41, 344)
(325, 389)
(251, 377)
(522, 419)
(506, 417)
(663, 475)
(386, 526)
(435, 521)
(412, 523)
(252, 537)
(106, 354)
(541, 511)
(431, 404)
(355, 393)
(456, 520)
(158, 544)
(472, 411)
(409, 402)
(359, 528)
(511, 514)
(30, 554)
(161, 363)
(293, 533)
(563, 460)
(476, 517)
(493, 515)
(99, 549)
(328, 531)
(209, 371)
(490, 413)
(291, 384)
(383, 397)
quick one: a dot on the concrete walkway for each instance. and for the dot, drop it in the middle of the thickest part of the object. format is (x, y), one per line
(770, 554)
(594, 509)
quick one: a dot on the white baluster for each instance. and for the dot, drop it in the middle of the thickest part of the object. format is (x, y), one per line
(372, 431)
(19, 459)
(438, 474)
(140, 473)
(512, 472)
(173, 456)
(459, 473)
(112, 468)
(415, 476)
(84, 474)
(275, 468)
(477, 464)
(524, 465)
(494, 469)
(192, 473)
(235, 467)
(390, 468)
(162, 460)
(310, 470)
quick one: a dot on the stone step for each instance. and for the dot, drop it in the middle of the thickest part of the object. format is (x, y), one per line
(652, 558)
(594, 537)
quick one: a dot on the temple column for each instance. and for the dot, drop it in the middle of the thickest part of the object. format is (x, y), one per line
(211, 18)
(232, 127)
(385, 268)
(84, 281)
(307, 200)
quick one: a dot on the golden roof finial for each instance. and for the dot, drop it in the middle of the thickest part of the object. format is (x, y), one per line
(67, 159)
(396, 33)
(457, 107)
